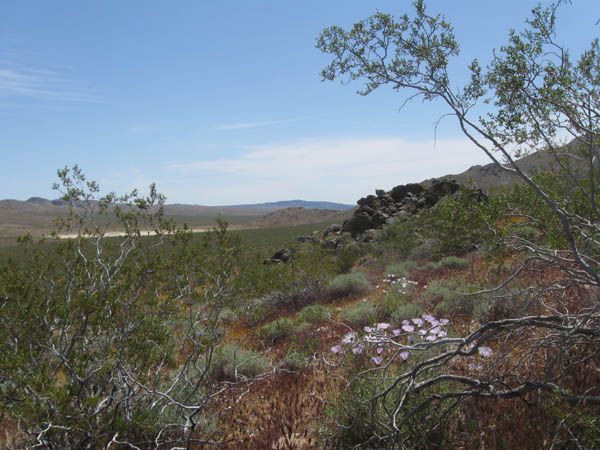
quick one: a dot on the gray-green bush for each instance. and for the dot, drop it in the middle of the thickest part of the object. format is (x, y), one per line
(232, 363)
(349, 284)
(277, 330)
(454, 262)
(313, 313)
(361, 314)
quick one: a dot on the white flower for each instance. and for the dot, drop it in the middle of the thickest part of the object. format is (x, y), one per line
(486, 352)
(349, 338)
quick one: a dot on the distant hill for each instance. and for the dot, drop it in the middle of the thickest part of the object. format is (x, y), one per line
(490, 177)
(297, 204)
(36, 214)
(301, 216)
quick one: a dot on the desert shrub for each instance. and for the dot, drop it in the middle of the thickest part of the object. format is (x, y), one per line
(87, 321)
(423, 249)
(313, 313)
(277, 330)
(305, 345)
(406, 311)
(525, 231)
(460, 223)
(357, 422)
(454, 262)
(433, 265)
(401, 269)
(397, 240)
(449, 297)
(361, 314)
(499, 305)
(310, 266)
(294, 361)
(298, 295)
(232, 363)
(349, 284)
(346, 257)
(389, 304)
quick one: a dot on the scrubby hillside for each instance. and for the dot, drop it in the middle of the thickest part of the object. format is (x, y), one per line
(323, 349)
(299, 216)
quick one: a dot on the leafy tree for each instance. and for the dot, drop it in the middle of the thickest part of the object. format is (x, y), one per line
(530, 95)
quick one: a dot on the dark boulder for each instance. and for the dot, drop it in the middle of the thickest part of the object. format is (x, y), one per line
(281, 256)
(399, 192)
(442, 188)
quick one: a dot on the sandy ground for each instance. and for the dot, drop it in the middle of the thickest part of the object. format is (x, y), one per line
(152, 233)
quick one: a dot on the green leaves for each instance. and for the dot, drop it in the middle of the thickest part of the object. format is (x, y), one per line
(405, 52)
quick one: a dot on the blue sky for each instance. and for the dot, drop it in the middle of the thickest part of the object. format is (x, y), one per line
(222, 102)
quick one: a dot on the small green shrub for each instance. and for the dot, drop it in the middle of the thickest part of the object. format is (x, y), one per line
(389, 304)
(347, 256)
(277, 330)
(406, 311)
(313, 313)
(448, 297)
(397, 240)
(294, 361)
(454, 262)
(401, 269)
(231, 363)
(433, 265)
(261, 309)
(525, 231)
(423, 249)
(357, 420)
(349, 284)
(499, 305)
(361, 314)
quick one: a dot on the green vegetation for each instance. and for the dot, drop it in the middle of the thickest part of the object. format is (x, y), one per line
(401, 269)
(361, 314)
(454, 262)
(180, 339)
(277, 330)
(232, 363)
(349, 284)
(314, 313)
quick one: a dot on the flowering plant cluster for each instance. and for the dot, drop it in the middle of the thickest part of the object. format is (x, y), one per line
(383, 338)
(403, 284)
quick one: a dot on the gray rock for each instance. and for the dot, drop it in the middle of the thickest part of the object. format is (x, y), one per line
(332, 229)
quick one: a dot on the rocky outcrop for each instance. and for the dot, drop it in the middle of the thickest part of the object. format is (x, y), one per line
(374, 211)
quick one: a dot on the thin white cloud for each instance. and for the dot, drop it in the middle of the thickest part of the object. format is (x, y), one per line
(257, 124)
(41, 84)
(327, 169)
